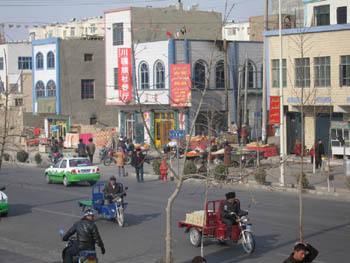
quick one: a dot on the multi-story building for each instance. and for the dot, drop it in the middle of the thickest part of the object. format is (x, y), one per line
(326, 12)
(16, 62)
(68, 84)
(290, 7)
(317, 61)
(236, 31)
(75, 28)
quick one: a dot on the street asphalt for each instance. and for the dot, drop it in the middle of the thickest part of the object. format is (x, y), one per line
(38, 211)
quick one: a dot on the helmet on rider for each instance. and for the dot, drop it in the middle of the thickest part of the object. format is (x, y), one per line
(112, 178)
(89, 212)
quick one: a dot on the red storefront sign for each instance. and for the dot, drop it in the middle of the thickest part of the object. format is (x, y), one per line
(274, 116)
(180, 83)
(124, 75)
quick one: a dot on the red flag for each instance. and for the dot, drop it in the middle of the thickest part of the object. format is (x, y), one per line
(169, 34)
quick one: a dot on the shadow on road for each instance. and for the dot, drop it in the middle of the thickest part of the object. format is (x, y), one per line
(19, 210)
(133, 220)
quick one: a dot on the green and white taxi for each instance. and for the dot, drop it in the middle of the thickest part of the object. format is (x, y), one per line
(4, 205)
(72, 170)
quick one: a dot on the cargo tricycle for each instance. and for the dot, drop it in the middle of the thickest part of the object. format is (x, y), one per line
(212, 227)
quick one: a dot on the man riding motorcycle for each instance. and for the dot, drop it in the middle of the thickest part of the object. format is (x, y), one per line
(228, 209)
(111, 189)
(87, 236)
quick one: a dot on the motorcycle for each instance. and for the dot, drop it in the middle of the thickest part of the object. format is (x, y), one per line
(54, 157)
(85, 256)
(103, 154)
(117, 208)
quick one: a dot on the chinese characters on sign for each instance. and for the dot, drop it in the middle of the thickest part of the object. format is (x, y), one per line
(180, 80)
(124, 75)
(274, 116)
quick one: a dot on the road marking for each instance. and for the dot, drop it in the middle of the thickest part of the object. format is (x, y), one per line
(55, 212)
(286, 256)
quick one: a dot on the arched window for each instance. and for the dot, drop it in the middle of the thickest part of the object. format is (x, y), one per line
(40, 89)
(159, 75)
(220, 75)
(39, 61)
(51, 88)
(50, 60)
(144, 76)
(199, 75)
(251, 71)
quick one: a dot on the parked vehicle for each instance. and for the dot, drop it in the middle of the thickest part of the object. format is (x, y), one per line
(4, 205)
(72, 170)
(103, 154)
(97, 203)
(214, 228)
(85, 256)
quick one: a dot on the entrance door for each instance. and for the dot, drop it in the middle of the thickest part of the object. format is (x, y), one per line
(163, 123)
(165, 127)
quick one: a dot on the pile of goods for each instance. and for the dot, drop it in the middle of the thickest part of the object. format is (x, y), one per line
(196, 218)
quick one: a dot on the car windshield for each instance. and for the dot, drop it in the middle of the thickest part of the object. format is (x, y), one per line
(79, 162)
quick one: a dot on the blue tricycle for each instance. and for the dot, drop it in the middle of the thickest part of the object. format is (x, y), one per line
(115, 210)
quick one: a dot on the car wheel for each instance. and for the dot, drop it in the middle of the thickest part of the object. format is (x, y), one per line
(4, 214)
(65, 181)
(47, 178)
(127, 160)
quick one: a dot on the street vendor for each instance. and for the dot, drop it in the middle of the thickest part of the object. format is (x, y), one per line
(228, 210)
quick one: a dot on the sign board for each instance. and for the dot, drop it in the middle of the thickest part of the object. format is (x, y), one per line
(177, 134)
(124, 75)
(274, 116)
(55, 128)
(180, 84)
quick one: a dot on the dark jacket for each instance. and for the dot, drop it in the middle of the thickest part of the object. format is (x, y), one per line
(109, 190)
(82, 149)
(319, 150)
(91, 148)
(228, 207)
(87, 234)
(137, 161)
(311, 255)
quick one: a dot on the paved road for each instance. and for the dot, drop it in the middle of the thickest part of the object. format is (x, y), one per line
(38, 211)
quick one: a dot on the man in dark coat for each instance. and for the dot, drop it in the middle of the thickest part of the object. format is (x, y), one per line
(112, 188)
(319, 151)
(137, 161)
(81, 148)
(228, 209)
(91, 148)
(87, 237)
(303, 253)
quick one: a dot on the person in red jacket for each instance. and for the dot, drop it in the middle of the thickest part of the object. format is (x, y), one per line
(163, 171)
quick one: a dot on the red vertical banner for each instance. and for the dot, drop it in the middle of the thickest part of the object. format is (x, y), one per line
(274, 116)
(124, 75)
(180, 84)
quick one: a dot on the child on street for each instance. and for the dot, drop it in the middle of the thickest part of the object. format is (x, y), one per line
(164, 171)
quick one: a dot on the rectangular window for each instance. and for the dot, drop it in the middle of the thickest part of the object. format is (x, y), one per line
(116, 79)
(322, 70)
(342, 15)
(87, 89)
(1, 63)
(64, 33)
(344, 71)
(276, 73)
(24, 62)
(88, 57)
(92, 28)
(302, 72)
(50, 33)
(321, 15)
(72, 31)
(118, 34)
(18, 102)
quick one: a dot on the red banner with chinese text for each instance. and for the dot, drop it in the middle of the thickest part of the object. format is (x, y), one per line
(180, 83)
(274, 116)
(124, 75)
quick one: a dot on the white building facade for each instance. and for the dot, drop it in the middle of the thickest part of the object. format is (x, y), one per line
(239, 31)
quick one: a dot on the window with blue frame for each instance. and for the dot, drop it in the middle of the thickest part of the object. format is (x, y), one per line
(39, 61)
(50, 60)
(24, 62)
(40, 89)
(1, 63)
(199, 75)
(51, 88)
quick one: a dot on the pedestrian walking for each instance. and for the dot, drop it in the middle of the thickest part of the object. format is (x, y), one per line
(81, 148)
(120, 161)
(303, 253)
(319, 151)
(137, 161)
(164, 171)
(91, 148)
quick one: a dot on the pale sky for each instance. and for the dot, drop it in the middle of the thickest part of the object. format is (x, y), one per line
(29, 12)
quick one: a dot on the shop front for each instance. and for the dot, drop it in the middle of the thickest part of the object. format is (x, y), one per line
(56, 126)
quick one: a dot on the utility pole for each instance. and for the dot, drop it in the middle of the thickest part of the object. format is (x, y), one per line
(281, 99)
(238, 112)
(264, 94)
(246, 90)
(225, 85)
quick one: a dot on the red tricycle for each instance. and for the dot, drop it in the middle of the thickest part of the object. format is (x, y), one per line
(214, 228)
